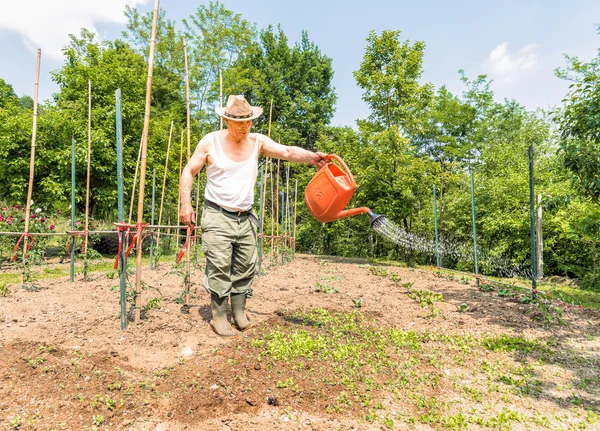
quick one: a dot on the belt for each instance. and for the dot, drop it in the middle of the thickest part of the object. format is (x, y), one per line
(220, 208)
(248, 213)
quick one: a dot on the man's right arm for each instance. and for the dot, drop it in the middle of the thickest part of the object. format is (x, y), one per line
(194, 165)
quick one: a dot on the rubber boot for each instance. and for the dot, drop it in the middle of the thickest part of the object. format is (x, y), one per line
(238, 310)
(219, 322)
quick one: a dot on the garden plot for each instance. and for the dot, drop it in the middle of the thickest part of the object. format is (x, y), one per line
(340, 344)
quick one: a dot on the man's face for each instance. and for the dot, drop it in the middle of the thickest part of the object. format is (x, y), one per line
(239, 129)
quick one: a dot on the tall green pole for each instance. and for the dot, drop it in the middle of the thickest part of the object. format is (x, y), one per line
(282, 231)
(261, 233)
(437, 244)
(532, 225)
(152, 216)
(72, 208)
(120, 216)
(474, 228)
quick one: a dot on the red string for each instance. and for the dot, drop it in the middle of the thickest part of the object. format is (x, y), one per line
(73, 234)
(139, 228)
(189, 235)
(120, 237)
(25, 234)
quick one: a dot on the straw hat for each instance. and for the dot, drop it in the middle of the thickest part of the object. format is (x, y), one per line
(238, 109)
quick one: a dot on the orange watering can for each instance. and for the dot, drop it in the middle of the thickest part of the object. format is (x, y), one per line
(330, 190)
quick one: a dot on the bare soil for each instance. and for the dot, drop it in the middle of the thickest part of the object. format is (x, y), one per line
(65, 364)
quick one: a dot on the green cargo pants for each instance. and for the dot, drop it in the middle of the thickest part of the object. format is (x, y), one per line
(229, 244)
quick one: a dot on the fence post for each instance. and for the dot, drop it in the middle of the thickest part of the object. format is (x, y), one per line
(261, 233)
(437, 247)
(120, 212)
(72, 208)
(532, 225)
(474, 229)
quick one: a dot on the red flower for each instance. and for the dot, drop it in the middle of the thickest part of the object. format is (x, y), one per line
(34, 215)
(9, 222)
(22, 220)
(9, 218)
(51, 227)
(42, 219)
(1, 218)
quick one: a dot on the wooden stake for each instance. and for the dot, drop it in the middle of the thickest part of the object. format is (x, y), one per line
(220, 98)
(135, 177)
(89, 165)
(187, 99)
(32, 156)
(140, 214)
(162, 193)
(179, 197)
(187, 106)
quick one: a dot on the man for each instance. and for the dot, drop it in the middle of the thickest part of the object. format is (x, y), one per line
(228, 232)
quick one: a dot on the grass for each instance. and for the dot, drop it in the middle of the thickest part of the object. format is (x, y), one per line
(43, 272)
(500, 373)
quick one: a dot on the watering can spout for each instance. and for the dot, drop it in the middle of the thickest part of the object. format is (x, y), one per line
(375, 219)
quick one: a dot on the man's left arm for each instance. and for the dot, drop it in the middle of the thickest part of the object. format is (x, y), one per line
(274, 150)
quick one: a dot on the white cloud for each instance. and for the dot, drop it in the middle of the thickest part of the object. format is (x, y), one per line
(506, 66)
(47, 24)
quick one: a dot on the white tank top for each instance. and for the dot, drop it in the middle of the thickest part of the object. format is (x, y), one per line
(231, 184)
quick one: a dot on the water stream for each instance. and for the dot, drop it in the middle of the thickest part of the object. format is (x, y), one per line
(488, 264)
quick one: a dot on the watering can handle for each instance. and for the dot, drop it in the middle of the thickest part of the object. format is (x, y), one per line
(341, 162)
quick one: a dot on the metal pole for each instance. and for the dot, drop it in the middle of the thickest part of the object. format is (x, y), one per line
(282, 230)
(262, 231)
(532, 224)
(72, 208)
(152, 216)
(474, 229)
(120, 213)
(294, 225)
(437, 247)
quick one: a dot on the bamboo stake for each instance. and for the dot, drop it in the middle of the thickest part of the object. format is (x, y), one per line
(32, 157)
(140, 214)
(221, 98)
(187, 99)
(179, 197)
(135, 177)
(162, 193)
(187, 107)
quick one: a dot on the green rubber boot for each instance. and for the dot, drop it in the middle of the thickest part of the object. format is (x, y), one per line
(219, 322)
(238, 309)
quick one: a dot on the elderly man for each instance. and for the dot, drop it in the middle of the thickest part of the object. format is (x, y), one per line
(228, 232)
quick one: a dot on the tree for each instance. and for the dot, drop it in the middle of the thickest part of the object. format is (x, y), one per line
(297, 79)
(579, 123)
(216, 37)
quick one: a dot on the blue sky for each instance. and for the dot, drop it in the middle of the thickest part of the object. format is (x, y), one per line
(516, 43)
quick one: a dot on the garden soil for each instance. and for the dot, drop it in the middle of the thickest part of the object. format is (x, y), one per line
(65, 364)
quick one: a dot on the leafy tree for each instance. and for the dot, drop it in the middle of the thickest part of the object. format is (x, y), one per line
(579, 123)
(216, 37)
(297, 79)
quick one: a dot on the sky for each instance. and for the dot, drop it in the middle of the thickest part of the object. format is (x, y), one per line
(518, 44)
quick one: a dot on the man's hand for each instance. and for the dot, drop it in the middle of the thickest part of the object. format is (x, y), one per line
(186, 215)
(320, 159)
